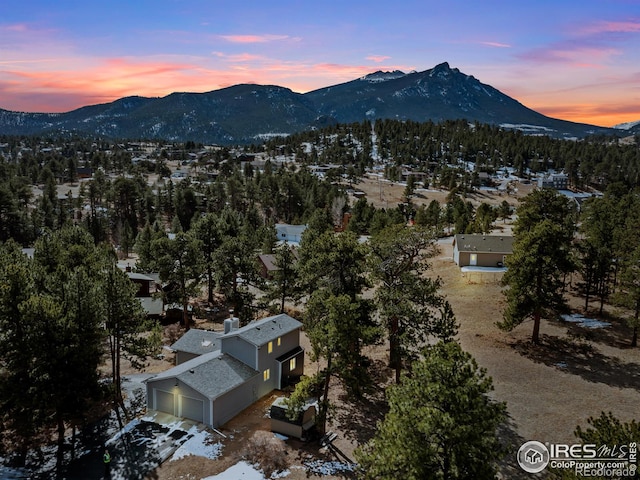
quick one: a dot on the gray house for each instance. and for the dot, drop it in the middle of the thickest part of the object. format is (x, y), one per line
(220, 374)
(481, 250)
(559, 181)
(290, 233)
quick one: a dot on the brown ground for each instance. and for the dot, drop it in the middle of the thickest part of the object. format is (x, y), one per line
(549, 389)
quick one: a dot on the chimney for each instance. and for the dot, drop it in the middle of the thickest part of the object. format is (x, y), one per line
(227, 325)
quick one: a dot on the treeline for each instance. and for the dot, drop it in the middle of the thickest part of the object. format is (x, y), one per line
(434, 147)
(62, 312)
(58, 309)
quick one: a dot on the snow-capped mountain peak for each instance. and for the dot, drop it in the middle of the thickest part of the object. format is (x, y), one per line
(627, 125)
(380, 76)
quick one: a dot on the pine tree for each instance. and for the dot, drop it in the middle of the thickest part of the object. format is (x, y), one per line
(441, 422)
(541, 258)
(408, 302)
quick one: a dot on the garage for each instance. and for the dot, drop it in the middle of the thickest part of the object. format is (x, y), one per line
(164, 401)
(192, 408)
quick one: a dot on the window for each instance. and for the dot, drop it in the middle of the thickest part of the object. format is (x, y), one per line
(292, 364)
(270, 347)
(279, 340)
(266, 375)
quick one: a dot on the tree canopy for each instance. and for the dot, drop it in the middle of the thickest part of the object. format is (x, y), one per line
(441, 422)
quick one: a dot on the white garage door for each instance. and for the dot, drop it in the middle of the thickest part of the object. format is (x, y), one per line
(165, 401)
(192, 408)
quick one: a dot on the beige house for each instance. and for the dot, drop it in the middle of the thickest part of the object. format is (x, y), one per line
(481, 250)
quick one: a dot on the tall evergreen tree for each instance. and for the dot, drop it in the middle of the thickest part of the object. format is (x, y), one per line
(179, 263)
(130, 333)
(541, 258)
(408, 302)
(628, 293)
(337, 319)
(441, 422)
(207, 230)
(16, 404)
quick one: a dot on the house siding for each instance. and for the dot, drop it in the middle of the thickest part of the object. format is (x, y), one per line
(490, 251)
(182, 357)
(240, 349)
(285, 373)
(463, 259)
(228, 405)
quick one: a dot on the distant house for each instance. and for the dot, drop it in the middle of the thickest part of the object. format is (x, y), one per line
(147, 286)
(481, 250)
(220, 374)
(289, 233)
(558, 181)
(267, 263)
(84, 172)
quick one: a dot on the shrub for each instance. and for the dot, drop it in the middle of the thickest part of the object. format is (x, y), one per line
(267, 451)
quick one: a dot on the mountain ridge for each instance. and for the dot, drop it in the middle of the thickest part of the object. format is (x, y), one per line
(245, 112)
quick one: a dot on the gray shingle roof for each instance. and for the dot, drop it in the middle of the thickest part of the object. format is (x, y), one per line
(212, 374)
(198, 342)
(483, 243)
(267, 329)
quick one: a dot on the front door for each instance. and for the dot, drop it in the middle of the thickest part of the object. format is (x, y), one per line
(473, 259)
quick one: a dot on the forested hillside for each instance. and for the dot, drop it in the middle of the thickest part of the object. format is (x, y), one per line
(120, 199)
(199, 216)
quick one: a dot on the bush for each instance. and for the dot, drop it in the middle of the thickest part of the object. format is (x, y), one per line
(267, 451)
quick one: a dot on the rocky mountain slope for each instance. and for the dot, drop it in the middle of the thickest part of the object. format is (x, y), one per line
(246, 113)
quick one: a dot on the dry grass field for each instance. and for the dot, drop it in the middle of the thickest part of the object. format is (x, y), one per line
(549, 389)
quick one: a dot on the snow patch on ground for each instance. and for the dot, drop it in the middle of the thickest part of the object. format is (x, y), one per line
(199, 444)
(583, 321)
(321, 467)
(240, 470)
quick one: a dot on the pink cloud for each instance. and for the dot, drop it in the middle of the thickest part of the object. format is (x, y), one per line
(496, 44)
(238, 58)
(612, 27)
(570, 53)
(18, 27)
(254, 38)
(56, 87)
(378, 58)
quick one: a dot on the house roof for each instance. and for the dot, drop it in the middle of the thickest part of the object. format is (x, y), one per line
(211, 374)
(262, 331)
(269, 261)
(198, 342)
(139, 276)
(483, 243)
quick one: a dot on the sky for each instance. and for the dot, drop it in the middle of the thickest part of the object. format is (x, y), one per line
(577, 60)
